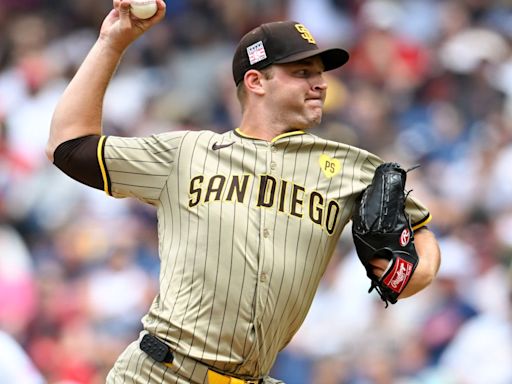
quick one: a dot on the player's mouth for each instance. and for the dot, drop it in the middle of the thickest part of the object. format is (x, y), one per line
(315, 101)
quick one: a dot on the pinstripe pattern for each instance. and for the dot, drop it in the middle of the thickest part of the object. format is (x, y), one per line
(245, 234)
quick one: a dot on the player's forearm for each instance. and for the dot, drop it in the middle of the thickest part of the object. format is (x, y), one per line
(429, 261)
(79, 111)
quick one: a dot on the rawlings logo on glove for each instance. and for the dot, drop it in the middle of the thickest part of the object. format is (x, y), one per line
(382, 229)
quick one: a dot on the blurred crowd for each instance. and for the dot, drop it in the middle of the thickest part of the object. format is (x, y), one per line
(429, 82)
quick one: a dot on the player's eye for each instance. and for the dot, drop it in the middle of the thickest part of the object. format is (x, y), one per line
(302, 73)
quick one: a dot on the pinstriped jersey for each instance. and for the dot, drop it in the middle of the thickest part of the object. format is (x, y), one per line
(246, 228)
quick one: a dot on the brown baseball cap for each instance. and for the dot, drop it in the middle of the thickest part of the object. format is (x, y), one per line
(278, 43)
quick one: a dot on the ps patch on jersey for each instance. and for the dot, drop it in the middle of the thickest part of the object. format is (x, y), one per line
(256, 52)
(329, 166)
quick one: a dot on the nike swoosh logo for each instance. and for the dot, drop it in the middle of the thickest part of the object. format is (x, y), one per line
(216, 146)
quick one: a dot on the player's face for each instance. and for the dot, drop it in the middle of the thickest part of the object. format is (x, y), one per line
(296, 93)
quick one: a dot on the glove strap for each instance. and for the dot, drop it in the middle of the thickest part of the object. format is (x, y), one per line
(394, 279)
(398, 275)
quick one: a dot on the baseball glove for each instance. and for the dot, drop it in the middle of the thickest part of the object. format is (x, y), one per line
(382, 229)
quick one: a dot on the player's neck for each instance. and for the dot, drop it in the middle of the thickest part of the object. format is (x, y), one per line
(257, 127)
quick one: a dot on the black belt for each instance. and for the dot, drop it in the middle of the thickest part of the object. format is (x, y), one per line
(162, 353)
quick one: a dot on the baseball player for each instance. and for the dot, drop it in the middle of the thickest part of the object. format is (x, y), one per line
(247, 220)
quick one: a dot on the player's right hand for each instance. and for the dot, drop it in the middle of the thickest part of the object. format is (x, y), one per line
(120, 29)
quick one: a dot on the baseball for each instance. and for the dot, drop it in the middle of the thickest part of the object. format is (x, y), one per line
(143, 9)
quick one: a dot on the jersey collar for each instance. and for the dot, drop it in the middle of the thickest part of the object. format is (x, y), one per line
(238, 132)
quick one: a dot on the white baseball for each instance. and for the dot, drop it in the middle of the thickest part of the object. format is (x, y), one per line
(143, 9)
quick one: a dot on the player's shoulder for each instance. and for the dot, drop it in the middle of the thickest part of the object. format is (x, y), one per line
(330, 145)
(187, 136)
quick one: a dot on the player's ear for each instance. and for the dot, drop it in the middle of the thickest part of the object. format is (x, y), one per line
(253, 81)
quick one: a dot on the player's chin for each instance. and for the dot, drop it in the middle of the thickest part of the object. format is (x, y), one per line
(309, 118)
(316, 117)
(309, 123)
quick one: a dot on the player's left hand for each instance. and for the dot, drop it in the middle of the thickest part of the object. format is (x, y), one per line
(379, 266)
(382, 233)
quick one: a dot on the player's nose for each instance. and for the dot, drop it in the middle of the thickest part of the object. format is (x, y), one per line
(318, 83)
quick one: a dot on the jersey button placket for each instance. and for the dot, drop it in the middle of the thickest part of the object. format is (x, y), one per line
(265, 253)
(272, 166)
(267, 247)
(264, 277)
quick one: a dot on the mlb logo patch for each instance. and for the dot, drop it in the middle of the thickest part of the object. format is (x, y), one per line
(256, 53)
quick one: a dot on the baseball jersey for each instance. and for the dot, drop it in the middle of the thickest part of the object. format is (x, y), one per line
(246, 229)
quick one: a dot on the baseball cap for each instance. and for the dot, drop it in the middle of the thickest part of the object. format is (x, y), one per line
(278, 43)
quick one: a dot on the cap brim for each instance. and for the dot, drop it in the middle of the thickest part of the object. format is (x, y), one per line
(332, 58)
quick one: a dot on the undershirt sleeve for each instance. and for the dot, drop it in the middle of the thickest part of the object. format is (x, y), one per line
(80, 159)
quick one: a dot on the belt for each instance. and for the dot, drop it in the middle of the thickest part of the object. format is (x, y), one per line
(161, 352)
(218, 378)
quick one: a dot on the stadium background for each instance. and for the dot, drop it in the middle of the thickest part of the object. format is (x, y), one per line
(429, 82)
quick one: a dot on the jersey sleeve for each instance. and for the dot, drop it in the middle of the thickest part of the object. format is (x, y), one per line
(417, 211)
(138, 166)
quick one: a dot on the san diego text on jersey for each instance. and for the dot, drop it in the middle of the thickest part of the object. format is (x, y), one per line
(289, 198)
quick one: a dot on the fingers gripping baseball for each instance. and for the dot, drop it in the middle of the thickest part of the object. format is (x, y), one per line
(120, 27)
